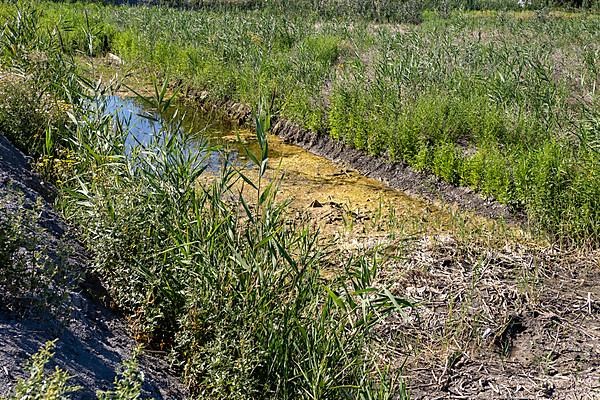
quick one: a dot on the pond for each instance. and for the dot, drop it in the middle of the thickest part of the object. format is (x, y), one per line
(333, 195)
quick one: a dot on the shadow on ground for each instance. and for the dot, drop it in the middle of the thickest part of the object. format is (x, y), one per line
(93, 341)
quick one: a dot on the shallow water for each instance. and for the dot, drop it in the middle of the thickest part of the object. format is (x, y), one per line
(333, 196)
(145, 126)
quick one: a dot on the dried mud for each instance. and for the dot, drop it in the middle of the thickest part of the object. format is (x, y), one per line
(395, 175)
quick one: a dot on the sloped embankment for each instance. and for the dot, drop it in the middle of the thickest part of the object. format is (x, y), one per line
(93, 341)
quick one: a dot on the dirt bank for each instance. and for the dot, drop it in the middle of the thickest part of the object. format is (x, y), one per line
(93, 341)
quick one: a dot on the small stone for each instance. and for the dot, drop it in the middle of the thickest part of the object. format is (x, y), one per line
(316, 204)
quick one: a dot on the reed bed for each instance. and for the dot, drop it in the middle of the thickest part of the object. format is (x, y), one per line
(216, 277)
(504, 102)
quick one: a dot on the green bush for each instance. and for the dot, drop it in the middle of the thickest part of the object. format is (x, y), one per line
(35, 276)
(40, 385)
(446, 162)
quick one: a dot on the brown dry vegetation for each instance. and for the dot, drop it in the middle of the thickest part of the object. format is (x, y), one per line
(497, 322)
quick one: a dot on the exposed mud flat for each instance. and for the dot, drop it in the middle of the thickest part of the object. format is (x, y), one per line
(395, 175)
(93, 341)
(362, 211)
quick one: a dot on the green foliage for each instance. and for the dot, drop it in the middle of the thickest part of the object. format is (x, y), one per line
(39, 78)
(37, 52)
(409, 95)
(39, 385)
(480, 113)
(235, 288)
(211, 271)
(19, 113)
(128, 385)
(35, 277)
(446, 162)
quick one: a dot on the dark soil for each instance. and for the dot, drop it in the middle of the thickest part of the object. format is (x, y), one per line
(93, 340)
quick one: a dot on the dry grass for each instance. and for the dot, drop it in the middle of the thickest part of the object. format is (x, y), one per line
(510, 321)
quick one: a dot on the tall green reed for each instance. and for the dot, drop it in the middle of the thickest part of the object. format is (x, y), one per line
(225, 281)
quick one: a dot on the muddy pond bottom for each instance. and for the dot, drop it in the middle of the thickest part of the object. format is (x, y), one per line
(333, 198)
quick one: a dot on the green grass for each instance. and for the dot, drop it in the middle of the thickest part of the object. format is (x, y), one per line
(37, 277)
(500, 101)
(217, 276)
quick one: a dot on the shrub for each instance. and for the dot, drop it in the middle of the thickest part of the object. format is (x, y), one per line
(35, 276)
(54, 386)
(39, 385)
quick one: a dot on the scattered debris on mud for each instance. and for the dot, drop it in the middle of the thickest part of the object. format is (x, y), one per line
(496, 321)
(395, 175)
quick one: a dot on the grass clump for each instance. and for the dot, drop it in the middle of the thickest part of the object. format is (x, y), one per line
(215, 274)
(39, 385)
(36, 277)
(233, 289)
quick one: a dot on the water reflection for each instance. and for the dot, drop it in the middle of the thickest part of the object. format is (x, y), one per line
(144, 126)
